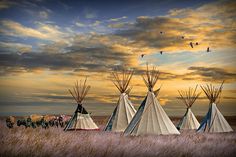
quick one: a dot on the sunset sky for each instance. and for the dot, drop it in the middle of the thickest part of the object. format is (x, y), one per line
(45, 45)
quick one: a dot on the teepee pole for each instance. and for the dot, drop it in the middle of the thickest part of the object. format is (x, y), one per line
(122, 80)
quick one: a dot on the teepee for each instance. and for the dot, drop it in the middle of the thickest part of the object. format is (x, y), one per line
(124, 111)
(150, 117)
(81, 119)
(214, 121)
(188, 121)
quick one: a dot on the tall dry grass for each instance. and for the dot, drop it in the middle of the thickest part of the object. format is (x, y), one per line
(55, 142)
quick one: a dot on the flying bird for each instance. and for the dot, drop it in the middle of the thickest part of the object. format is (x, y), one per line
(208, 49)
(142, 55)
(161, 52)
(191, 44)
(182, 37)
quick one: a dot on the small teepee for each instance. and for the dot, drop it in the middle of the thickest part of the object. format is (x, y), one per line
(124, 111)
(81, 119)
(188, 121)
(150, 117)
(214, 121)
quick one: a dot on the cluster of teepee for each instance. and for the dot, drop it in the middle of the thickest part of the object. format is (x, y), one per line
(214, 121)
(150, 118)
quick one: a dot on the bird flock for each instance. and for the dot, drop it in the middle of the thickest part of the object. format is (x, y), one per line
(191, 44)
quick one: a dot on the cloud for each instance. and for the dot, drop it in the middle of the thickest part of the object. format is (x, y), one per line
(81, 54)
(227, 8)
(79, 24)
(117, 19)
(43, 31)
(43, 15)
(206, 74)
(60, 98)
(89, 13)
(212, 74)
(228, 97)
(36, 60)
(96, 23)
(52, 32)
(9, 47)
(11, 70)
(97, 53)
(208, 25)
(55, 97)
(16, 29)
(146, 33)
(55, 47)
(94, 52)
(92, 24)
(120, 25)
(4, 4)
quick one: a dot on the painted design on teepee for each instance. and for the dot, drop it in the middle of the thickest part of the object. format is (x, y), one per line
(124, 111)
(150, 117)
(80, 120)
(188, 121)
(214, 121)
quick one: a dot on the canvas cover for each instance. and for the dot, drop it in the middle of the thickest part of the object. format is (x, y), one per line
(81, 120)
(136, 118)
(122, 115)
(189, 121)
(214, 121)
(151, 119)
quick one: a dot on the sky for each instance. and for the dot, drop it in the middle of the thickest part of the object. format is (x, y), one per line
(46, 45)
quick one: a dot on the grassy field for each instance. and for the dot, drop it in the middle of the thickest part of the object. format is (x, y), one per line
(55, 142)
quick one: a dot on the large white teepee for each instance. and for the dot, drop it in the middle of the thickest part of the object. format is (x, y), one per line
(81, 119)
(188, 121)
(150, 117)
(124, 111)
(214, 121)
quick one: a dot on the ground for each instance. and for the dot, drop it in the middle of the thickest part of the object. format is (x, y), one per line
(55, 142)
